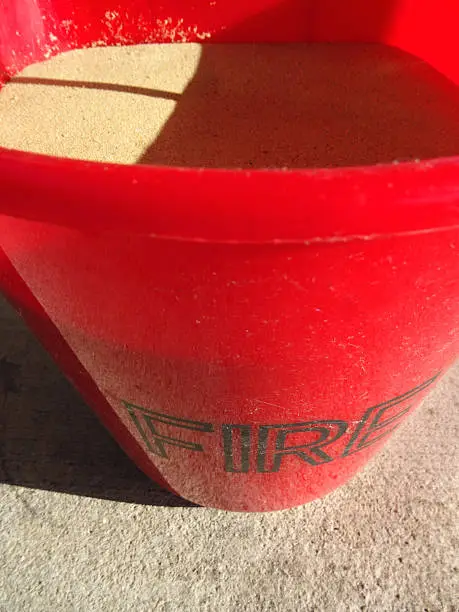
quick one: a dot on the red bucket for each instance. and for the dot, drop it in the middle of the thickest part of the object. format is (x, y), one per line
(250, 338)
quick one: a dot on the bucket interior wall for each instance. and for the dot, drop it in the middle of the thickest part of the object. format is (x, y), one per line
(33, 30)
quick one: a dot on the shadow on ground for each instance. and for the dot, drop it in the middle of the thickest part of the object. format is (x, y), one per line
(49, 438)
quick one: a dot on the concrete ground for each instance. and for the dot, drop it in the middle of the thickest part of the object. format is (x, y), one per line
(82, 529)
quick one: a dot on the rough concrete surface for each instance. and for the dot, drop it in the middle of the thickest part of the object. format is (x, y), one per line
(83, 529)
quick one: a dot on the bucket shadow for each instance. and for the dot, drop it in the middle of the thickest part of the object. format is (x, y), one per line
(267, 106)
(253, 107)
(50, 439)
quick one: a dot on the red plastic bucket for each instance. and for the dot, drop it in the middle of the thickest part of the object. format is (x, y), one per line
(249, 338)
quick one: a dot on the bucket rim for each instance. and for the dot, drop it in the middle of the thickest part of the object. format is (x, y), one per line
(234, 206)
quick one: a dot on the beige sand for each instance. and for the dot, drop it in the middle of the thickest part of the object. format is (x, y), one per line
(247, 106)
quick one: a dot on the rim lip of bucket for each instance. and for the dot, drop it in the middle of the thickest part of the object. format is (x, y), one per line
(276, 206)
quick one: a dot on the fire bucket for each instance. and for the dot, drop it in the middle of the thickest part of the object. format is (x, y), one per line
(250, 338)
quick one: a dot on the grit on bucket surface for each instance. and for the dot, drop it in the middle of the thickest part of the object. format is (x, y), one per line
(82, 529)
